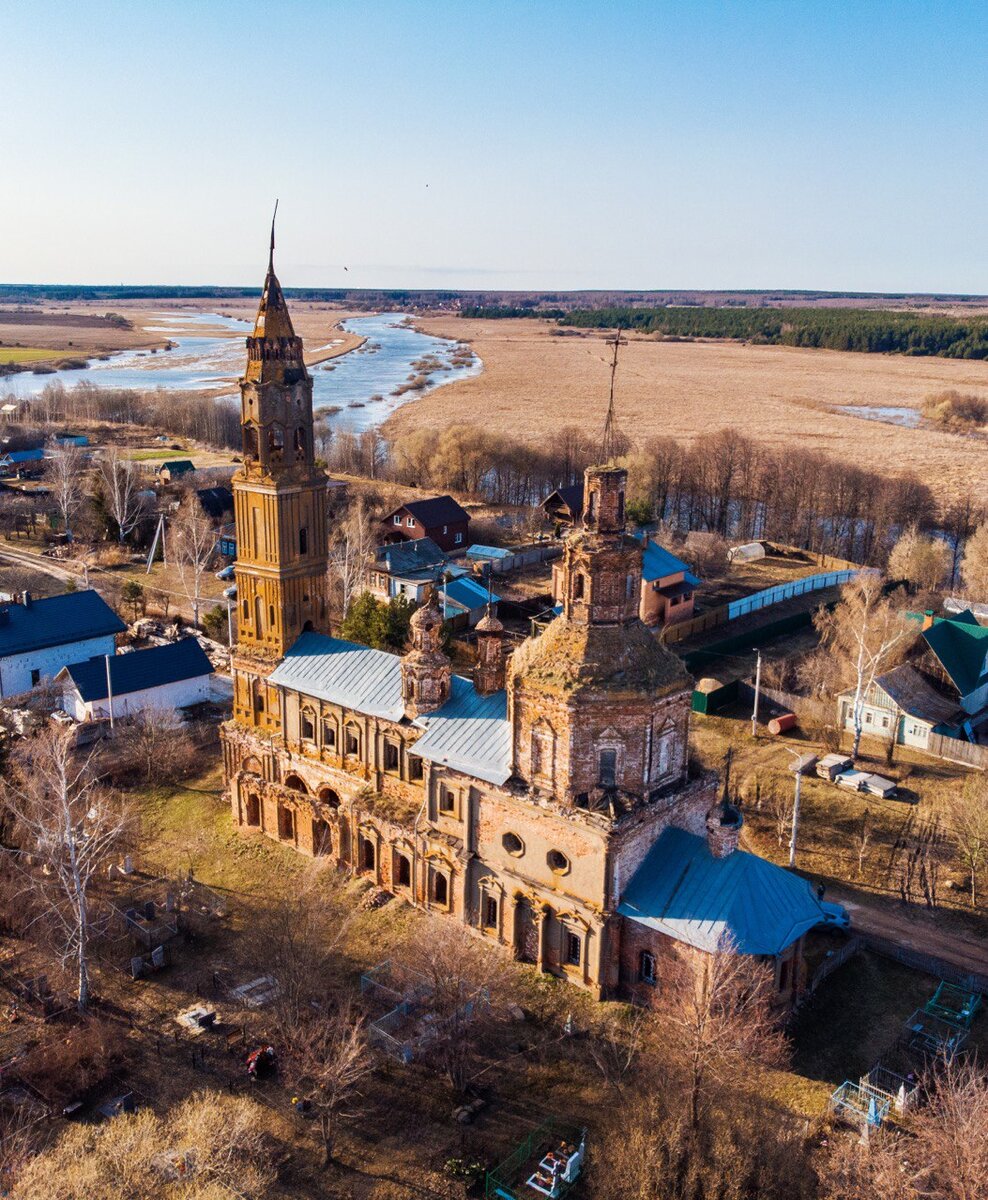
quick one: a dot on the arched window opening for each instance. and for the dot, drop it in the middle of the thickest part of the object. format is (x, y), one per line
(403, 870)
(440, 888)
(252, 810)
(329, 797)
(246, 608)
(299, 443)
(307, 725)
(353, 741)
(368, 856)
(286, 823)
(322, 841)
(258, 615)
(646, 967)
(607, 768)
(303, 540)
(328, 733)
(578, 585)
(295, 783)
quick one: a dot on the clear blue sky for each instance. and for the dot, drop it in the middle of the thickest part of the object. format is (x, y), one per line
(528, 144)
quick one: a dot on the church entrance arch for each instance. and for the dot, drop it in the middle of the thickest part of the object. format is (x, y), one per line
(526, 932)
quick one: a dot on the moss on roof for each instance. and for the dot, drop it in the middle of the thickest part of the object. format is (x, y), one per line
(623, 659)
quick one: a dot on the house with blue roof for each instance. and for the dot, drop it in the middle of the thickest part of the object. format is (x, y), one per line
(39, 637)
(542, 794)
(668, 587)
(169, 677)
(21, 462)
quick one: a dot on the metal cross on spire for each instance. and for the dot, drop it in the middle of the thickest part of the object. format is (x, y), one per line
(610, 432)
(271, 255)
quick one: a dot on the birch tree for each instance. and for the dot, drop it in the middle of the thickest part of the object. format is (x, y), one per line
(65, 478)
(65, 828)
(191, 547)
(122, 491)
(867, 635)
(350, 550)
(968, 814)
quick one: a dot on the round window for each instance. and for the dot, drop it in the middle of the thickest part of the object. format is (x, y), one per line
(513, 844)
(558, 861)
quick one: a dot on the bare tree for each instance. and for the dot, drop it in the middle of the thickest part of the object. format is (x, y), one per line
(154, 742)
(779, 802)
(66, 827)
(616, 1046)
(350, 550)
(122, 491)
(65, 477)
(191, 548)
(968, 813)
(865, 832)
(974, 565)
(716, 1007)
(866, 633)
(919, 559)
(328, 1059)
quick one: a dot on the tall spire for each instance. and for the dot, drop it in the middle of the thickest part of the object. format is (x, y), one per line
(271, 255)
(273, 345)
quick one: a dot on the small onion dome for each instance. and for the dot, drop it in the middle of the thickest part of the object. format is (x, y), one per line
(427, 617)
(724, 813)
(489, 624)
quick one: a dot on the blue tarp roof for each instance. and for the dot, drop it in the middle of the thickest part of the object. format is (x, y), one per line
(658, 562)
(467, 594)
(681, 890)
(139, 669)
(57, 621)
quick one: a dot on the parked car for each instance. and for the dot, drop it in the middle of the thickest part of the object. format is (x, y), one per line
(226, 574)
(230, 593)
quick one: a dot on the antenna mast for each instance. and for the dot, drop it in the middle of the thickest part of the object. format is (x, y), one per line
(607, 446)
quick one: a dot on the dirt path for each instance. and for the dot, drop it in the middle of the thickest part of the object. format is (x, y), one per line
(914, 930)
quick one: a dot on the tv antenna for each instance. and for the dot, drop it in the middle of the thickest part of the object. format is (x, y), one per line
(610, 432)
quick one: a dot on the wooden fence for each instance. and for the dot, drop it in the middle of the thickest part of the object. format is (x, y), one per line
(956, 751)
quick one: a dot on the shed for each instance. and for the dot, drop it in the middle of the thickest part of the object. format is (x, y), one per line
(565, 504)
(175, 469)
(171, 676)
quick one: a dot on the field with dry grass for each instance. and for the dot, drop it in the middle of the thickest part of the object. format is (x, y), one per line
(777, 395)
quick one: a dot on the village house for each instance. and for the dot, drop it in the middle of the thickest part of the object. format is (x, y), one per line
(39, 637)
(904, 707)
(406, 569)
(668, 587)
(164, 678)
(440, 518)
(525, 801)
(564, 506)
(22, 464)
(217, 502)
(168, 472)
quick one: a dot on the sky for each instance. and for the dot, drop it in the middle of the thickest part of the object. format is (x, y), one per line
(518, 144)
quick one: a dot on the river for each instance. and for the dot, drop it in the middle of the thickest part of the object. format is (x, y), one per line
(208, 352)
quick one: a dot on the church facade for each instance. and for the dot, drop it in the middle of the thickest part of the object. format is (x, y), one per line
(526, 801)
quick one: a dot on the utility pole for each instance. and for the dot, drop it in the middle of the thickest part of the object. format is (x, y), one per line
(109, 689)
(795, 806)
(229, 622)
(758, 685)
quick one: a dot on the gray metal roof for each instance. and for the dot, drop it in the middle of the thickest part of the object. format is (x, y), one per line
(906, 688)
(470, 733)
(366, 680)
(140, 669)
(56, 621)
(681, 890)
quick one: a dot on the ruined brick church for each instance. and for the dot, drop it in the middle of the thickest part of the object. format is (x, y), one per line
(548, 802)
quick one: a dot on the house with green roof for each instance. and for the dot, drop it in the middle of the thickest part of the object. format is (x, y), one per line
(956, 658)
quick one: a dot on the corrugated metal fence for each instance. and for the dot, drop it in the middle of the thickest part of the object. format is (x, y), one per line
(786, 591)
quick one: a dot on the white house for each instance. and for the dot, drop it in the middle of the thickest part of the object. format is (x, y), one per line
(902, 704)
(38, 637)
(165, 677)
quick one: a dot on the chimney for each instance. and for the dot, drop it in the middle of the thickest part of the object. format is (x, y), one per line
(927, 620)
(724, 823)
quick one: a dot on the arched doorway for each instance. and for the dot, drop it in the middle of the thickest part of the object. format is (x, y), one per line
(252, 809)
(402, 870)
(322, 838)
(286, 823)
(367, 853)
(526, 932)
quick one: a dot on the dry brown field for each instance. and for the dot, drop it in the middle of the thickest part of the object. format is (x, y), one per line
(779, 396)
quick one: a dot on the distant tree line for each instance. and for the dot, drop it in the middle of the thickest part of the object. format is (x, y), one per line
(866, 330)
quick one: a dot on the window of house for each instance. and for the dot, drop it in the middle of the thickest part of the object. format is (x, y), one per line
(573, 949)
(392, 756)
(457, 538)
(246, 609)
(490, 912)
(867, 718)
(557, 861)
(329, 733)
(445, 529)
(352, 740)
(271, 616)
(303, 541)
(607, 768)
(885, 722)
(513, 844)
(687, 596)
(447, 800)
(308, 726)
(35, 677)
(410, 522)
(397, 520)
(646, 967)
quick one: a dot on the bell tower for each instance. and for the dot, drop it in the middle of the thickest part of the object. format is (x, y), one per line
(279, 502)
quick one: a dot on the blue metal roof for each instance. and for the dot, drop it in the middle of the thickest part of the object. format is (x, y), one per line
(488, 552)
(681, 890)
(139, 669)
(20, 456)
(467, 594)
(470, 733)
(657, 563)
(345, 673)
(56, 621)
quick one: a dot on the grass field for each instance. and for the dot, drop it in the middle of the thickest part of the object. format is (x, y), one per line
(24, 354)
(776, 395)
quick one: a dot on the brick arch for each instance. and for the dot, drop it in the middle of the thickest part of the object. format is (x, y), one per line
(327, 795)
(295, 783)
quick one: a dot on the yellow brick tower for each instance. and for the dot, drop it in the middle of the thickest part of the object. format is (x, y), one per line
(279, 506)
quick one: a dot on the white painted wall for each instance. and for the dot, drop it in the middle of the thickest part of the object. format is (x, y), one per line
(168, 696)
(15, 669)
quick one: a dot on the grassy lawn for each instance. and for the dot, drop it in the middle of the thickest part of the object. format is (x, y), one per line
(151, 455)
(27, 354)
